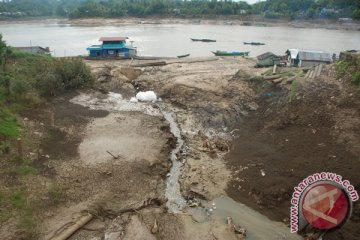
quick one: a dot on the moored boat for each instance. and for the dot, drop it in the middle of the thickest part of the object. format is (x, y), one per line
(254, 43)
(202, 40)
(226, 53)
(182, 56)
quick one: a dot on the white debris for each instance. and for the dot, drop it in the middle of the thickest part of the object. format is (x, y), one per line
(133, 100)
(114, 103)
(148, 96)
(262, 172)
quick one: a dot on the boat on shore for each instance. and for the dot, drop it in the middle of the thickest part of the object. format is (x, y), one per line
(182, 56)
(202, 40)
(254, 43)
(226, 53)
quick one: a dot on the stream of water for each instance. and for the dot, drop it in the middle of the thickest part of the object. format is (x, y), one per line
(175, 200)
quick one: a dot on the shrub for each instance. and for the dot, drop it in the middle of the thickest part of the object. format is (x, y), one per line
(8, 124)
(356, 78)
(341, 68)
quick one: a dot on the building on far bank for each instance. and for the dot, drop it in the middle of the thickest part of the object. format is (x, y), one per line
(112, 47)
(268, 59)
(34, 49)
(307, 58)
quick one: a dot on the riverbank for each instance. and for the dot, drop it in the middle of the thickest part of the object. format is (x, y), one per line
(244, 137)
(252, 20)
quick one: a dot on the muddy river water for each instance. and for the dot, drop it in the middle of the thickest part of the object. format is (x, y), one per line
(174, 39)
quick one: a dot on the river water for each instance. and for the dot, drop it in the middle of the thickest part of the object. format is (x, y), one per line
(174, 39)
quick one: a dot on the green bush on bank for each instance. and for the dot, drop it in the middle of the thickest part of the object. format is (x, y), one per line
(26, 77)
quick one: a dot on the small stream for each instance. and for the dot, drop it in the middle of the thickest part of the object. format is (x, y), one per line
(175, 200)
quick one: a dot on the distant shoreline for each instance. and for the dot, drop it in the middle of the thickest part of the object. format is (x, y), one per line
(251, 20)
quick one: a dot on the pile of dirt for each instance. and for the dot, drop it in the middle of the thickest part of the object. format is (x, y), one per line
(287, 140)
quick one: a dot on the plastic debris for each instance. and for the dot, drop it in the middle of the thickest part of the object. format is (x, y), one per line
(148, 96)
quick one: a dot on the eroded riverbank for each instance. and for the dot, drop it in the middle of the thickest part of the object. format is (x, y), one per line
(225, 131)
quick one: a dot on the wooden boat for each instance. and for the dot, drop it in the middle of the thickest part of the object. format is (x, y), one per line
(225, 53)
(202, 40)
(182, 56)
(254, 43)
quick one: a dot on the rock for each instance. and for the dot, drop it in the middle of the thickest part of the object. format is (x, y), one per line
(154, 228)
(252, 106)
(276, 81)
(112, 236)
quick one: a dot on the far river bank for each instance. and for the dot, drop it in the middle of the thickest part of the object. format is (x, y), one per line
(251, 20)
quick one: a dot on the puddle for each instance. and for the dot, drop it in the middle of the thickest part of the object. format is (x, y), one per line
(258, 226)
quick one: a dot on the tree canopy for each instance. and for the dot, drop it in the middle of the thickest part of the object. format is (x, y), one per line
(119, 8)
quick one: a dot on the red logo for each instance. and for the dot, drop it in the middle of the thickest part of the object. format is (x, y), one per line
(325, 206)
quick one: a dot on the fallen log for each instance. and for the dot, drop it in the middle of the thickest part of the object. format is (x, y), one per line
(271, 77)
(73, 228)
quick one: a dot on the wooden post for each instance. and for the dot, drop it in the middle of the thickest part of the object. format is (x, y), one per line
(274, 69)
(19, 147)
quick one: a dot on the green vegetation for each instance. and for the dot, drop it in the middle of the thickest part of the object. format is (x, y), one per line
(356, 78)
(25, 77)
(299, 9)
(116, 8)
(349, 69)
(55, 193)
(293, 90)
(15, 204)
(341, 68)
(26, 80)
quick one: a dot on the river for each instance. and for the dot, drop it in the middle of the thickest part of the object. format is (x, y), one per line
(174, 39)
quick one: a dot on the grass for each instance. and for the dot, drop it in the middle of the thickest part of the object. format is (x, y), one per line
(55, 192)
(341, 68)
(26, 170)
(27, 224)
(293, 90)
(8, 123)
(356, 78)
(18, 200)
(15, 205)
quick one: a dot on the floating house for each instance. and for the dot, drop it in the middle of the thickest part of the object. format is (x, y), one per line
(34, 49)
(268, 59)
(306, 58)
(112, 47)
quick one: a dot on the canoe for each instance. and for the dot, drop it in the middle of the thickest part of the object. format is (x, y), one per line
(254, 43)
(202, 40)
(182, 56)
(225, 53)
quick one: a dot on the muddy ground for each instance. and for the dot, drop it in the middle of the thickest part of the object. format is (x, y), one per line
(269, 129)
(288, 141)
(245, 137)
